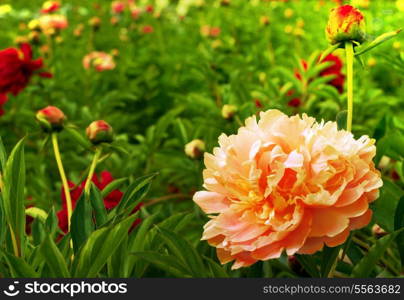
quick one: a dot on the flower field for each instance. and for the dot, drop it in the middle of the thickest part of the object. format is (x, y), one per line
(201, 138)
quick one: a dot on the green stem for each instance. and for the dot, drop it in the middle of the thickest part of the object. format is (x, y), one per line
(92, 170)
(349, 61)
(62, 177)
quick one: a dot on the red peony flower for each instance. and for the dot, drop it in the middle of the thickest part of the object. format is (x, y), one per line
(110, 201)
(17, 67)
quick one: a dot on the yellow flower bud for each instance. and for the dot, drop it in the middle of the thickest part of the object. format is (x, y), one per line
(345, 23)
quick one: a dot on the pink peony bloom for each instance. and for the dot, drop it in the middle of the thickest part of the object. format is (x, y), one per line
(286, 184)
(100, 61)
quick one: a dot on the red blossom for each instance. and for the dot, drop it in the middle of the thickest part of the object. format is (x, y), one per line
(17, 67)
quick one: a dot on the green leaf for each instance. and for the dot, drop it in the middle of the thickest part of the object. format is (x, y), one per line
(3, 156)
(385, 207)
(329, 255)
(78, 137)
(100, 246)
(13, 195)
(290, 76)
(329, 50)
(51, 222)
(318, 68)
(112, 186)
(182, 130)
(168, 263)
(135, 193)
(342, 119)
(377, 41)
(18, 267)
(216, 270)
(182, 249)
(366, 265)
(309, 265)
(81, 222)
(53, 258)
(97, 203)
(399, 224)
(138, 243)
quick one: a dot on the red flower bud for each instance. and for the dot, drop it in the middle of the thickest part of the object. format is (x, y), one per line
(99, 132)
(346, 23)
(51, 118)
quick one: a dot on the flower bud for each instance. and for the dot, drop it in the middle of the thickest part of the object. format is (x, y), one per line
(195, 148)
(378, 231)
(228, 111)
(264, 20)
(99, 132)
(346, 23)
(95, 23)
(51, 118)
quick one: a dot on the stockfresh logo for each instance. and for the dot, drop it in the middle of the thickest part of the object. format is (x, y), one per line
(12, 289)
(65, 288)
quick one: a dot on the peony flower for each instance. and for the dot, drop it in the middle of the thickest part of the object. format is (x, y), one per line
(286, 184)
(50, 7)
(99, 132)
(51, 118)
(17, 67)
(100, 61)
(345, 23)
(51, 23)
(100, 181)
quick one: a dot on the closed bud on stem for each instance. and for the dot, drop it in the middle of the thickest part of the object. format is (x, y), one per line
(228, 111)
(95, 23)
(346, 23)
(51, 119)
(195, 148)
(99, 132)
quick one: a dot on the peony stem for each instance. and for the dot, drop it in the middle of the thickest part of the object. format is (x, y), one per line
(92, 170)
(349, 61)
(62, 177)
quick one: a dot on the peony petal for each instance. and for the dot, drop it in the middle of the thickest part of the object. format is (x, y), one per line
(211, 202)
(327, 222)
(361, 221)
